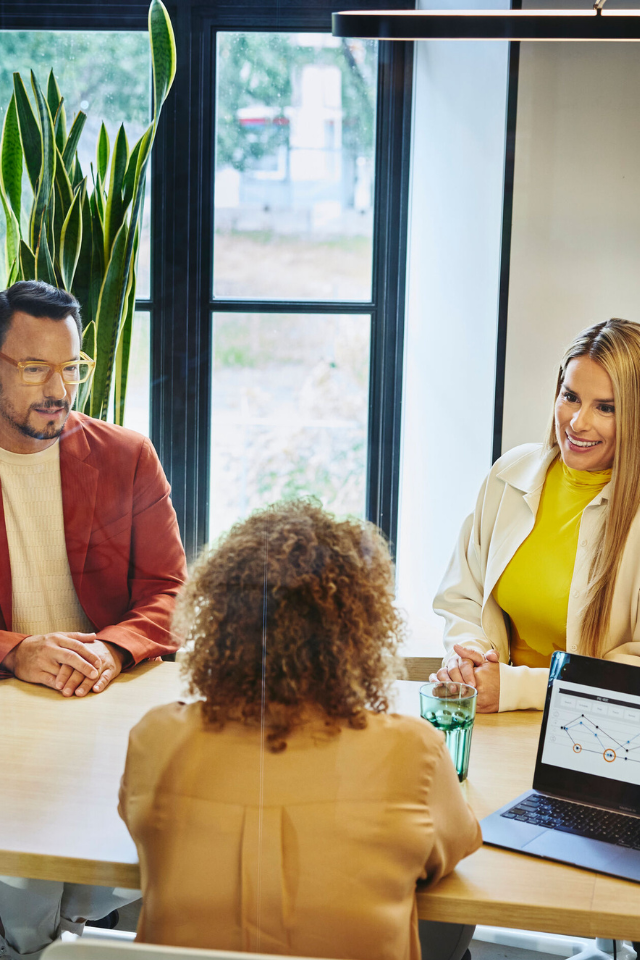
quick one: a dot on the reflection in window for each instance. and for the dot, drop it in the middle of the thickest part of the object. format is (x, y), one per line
(104, 74)
(289, 412)
(295, 131)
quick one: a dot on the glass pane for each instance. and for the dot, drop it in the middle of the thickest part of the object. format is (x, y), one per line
(137, 405)
(104, 74)
(137, 411)
(295, 133)
(289, 412)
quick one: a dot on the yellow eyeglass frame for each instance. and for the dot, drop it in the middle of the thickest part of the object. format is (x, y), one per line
(52, 367)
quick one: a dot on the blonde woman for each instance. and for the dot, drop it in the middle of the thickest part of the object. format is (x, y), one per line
(550, 559)
(287, 811)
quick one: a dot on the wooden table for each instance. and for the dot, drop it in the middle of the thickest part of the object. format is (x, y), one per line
(61, 762)
(507, 889)
(60, 766)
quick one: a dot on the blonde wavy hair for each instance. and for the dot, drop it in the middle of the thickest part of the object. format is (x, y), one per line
(292, 607)
(615, 345)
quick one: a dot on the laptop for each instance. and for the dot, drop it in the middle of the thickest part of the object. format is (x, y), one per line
(584, 808)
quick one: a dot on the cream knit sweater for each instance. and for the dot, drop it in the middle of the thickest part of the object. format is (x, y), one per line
(44, 597)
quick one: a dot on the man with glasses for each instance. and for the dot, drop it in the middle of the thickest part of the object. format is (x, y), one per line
(90, 555)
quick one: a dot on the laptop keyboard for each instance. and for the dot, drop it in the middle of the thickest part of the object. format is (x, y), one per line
(588, 822)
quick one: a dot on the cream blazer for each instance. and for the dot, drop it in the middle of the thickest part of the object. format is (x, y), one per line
(504, 516)
(314, 851)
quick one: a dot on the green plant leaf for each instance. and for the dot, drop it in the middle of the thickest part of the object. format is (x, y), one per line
(11, 160)
(124, 343)
(97, 261)
(63, 198)
(60, 126)
(63, 181)
(27, 262)
(14, 272)
(121, 372)
(121, 368)
(54, 97)
(114, 212)
(97, 197)
(48, 169)
(44, 263)
(76, 173)
(56, 106)
(71, 146)
(102, 154)
(89, 346)
(163, 55)
(58, 216)
(144, 152)
(48, 232)
(129, 183)
(12, 241)
(71, 241)
(108, 320)
(82, 278)
(30, 135)
(89, 339)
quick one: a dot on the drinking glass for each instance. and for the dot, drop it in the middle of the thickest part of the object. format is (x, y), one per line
(451, 708)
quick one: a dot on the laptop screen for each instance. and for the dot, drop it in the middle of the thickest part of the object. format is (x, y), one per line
(590, 739)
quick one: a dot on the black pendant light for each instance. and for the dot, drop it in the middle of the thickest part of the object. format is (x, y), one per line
(595, 24)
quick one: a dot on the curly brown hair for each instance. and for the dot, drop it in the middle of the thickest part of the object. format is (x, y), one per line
(292, 607)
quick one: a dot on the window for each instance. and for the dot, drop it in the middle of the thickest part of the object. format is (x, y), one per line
(294, 172)
(343, 170)
(282, 249)
(288, 412)
(293, 221)
(106, 74)
(137, 403)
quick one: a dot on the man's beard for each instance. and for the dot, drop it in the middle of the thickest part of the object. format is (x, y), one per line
(48, 432)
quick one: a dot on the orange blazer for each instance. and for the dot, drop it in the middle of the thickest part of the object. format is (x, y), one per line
(123, 543)
(313, 852)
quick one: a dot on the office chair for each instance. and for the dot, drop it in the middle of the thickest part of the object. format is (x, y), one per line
(555, 944)
(88, 948)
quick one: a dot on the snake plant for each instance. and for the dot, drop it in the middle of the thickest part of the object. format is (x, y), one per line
(82, 234)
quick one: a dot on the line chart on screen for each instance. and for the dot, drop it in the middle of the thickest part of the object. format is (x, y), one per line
(584, 734)
(594, 731)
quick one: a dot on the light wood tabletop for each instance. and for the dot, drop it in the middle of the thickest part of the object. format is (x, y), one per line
(61, 761)
(506, 889)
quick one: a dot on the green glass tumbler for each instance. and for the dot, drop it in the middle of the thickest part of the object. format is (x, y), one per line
(451, 708)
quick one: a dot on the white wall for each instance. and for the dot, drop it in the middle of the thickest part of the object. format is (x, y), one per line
(575, 255)
(575, 260)
(452, 299)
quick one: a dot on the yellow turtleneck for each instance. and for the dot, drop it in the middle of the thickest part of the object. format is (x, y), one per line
(534, 588)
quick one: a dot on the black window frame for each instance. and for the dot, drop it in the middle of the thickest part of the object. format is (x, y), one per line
(182, 219)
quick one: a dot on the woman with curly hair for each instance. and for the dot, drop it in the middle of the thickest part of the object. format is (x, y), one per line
(285, 810)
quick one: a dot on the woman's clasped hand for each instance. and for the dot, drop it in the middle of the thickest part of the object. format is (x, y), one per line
(479, 670)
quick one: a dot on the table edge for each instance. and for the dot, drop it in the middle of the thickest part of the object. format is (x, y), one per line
(38, 866)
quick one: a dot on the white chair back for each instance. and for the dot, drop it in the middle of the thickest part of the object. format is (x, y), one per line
(89, 949)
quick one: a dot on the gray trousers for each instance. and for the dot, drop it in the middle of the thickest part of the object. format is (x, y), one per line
(444, 941)
(33, 913)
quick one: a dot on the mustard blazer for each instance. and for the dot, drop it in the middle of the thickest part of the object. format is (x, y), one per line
(314, 851)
